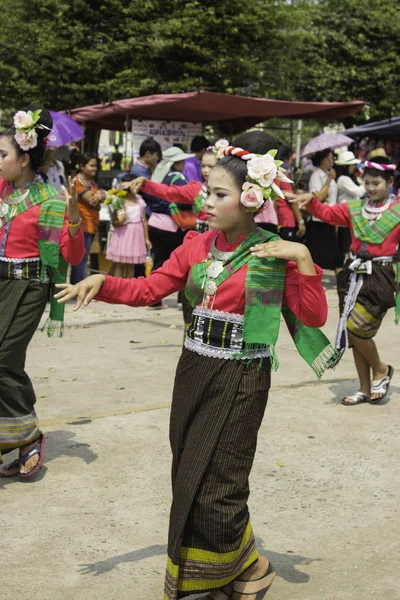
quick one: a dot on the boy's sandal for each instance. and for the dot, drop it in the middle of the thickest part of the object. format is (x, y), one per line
(357, 398)
(255, 589)
(381, 386)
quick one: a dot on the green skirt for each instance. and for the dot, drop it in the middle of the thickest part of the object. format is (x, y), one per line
(217, 409)
(22, 303)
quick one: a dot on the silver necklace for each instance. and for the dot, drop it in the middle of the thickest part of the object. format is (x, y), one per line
(8, 201)
(213, 271)
(372, 212)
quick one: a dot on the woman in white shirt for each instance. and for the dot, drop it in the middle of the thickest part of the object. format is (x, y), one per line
(347, 190)
(321, 238)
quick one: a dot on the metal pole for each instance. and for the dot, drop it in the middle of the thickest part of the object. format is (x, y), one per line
(298, 145)
(126, 137)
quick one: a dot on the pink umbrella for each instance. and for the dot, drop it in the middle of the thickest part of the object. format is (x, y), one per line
(325, 141)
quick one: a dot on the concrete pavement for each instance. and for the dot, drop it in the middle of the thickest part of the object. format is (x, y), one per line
(93, 524)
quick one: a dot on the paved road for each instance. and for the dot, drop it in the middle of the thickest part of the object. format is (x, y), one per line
(93, 525)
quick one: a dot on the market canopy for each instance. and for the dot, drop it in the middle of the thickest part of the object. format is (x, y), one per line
(230, 113)
(386, 128)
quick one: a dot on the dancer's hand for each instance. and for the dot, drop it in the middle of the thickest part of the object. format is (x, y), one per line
(301, 199)
(301, 230)
(287, 251)
(71, 198)
(86, 290)
(149, 245)
(134, 186)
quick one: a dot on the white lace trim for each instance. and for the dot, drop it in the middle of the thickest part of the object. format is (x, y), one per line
(19, 260)
(218, 315)
(226, 353)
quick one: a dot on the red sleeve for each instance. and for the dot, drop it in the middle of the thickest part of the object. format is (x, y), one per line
(184, 194)
(72, 249)
(338, 214)
(143, 291)
(305, 296)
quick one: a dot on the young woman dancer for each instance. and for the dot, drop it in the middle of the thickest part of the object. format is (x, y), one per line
(367, 285)
(39, 234)
(240, 279)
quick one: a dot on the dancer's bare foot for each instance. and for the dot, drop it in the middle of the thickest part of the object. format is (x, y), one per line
(31, 462)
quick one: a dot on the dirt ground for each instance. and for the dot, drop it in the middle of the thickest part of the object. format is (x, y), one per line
(93, 524)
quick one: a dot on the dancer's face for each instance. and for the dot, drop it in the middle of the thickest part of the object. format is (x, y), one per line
(208, 162)
(12, 164)
(224, 210)
(377, 187)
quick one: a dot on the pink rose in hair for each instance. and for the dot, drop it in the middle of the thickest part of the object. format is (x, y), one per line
(22, 120)
(252, 196)
(262, 169)
(26, 141)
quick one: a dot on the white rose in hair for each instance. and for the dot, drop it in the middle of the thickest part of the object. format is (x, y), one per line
(26, 141)
(22, 119)
(252, 196)
(262, 169)
(220, 146)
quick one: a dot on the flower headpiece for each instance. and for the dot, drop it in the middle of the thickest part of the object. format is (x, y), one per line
(263, 174)
(373, 165)
(219, 148)
(25, 124)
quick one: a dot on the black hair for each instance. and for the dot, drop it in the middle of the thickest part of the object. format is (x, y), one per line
(209, 151)
(344, 170)
(199, 143)
(380, 160)
(127, 177)
(319, 156)
(150, 145)
(258, 142)
(36, 154)
(83, 159)
(284, 153)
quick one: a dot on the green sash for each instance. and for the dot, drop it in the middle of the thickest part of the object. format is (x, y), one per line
(50, 225)
(376, 233)
(265, 282)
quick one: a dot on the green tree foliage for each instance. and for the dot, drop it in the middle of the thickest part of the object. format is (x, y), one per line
(68, 53)
(73, 52)
(351, 51)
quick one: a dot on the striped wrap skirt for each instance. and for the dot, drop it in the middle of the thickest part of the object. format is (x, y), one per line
(22, 303)
(217, 409)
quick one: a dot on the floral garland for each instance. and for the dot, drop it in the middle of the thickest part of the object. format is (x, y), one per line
(116, 199)
(26, 123)
(263, 176)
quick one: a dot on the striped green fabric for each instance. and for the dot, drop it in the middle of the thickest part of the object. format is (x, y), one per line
(50, 224)
(376, 233)
(265, 281)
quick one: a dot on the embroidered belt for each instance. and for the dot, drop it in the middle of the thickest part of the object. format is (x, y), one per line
(362, 265)
(201, 226)
(21, 268)
(218, 334)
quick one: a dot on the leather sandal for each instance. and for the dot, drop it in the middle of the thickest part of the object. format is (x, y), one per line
(255, 589)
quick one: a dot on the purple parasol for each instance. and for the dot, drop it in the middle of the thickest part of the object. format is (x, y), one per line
(325, 141)
(65, 130)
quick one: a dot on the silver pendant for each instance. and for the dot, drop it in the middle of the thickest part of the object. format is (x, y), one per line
(3, 209)
(210, 288)
(215, 269)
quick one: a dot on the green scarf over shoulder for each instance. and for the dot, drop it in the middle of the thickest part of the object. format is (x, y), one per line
(376, 233)
(50, 225)
(265, 281)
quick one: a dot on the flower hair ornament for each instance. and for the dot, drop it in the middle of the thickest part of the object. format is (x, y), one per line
(25, 124)
(263, 174)
(219, 148)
